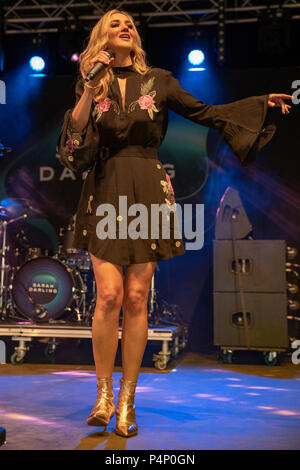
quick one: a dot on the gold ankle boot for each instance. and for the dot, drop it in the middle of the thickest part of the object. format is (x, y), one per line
(104, 407)
(125, 412)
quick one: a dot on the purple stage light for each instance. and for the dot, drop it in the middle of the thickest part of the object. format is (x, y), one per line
(75, 57)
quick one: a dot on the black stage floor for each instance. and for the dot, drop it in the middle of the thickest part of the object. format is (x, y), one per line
(196, 403)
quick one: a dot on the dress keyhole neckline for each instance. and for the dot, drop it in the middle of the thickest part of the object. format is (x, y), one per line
(122, 88)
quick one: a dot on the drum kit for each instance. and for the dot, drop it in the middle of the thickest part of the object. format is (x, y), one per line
(38, 285)
(42, 286)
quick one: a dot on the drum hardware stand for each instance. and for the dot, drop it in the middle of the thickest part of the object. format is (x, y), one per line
(79, 316)
(90, 313)
(153, 302)
(80, 299)
(90, 302)
(9, 309)
(3, 267)
(4, 249)
(158, 309)
(76, 310)
(82, 296)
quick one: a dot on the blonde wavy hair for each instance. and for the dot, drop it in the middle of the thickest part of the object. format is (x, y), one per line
(98, 41)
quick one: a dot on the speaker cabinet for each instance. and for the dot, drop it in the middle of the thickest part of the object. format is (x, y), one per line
(266, 320)
(261, 264)
(261, 267)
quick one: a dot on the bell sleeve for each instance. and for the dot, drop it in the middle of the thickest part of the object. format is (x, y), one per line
(78, 150)
(242, 124)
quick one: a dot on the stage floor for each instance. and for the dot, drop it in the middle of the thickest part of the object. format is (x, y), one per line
(196, 403)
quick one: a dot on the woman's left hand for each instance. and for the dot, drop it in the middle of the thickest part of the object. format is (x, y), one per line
(277, 100)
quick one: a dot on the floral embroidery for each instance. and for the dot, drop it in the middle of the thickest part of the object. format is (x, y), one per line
(70, 144)
(103, 106)
(146, 100)
(168, 189)
(74, 140)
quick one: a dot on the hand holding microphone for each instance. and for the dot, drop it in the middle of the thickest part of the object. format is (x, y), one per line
(99, 63)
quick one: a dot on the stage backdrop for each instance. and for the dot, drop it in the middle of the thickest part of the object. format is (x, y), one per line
(200, 165)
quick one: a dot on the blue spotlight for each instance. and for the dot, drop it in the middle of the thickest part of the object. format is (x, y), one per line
(37, 63)
(196, 57)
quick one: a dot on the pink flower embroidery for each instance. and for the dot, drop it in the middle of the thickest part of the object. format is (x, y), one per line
(104, 105)
(146, 102)
(170, 187)
(70, 145)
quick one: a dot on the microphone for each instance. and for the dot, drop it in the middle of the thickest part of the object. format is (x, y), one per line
(98, 67)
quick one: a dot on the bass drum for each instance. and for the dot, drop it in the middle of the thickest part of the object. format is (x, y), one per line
(44, 288)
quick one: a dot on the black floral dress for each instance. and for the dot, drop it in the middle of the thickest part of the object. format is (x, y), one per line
(118, 150)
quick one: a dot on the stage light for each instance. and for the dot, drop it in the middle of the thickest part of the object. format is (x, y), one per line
(196, 69)
(196, 57)
(37, 63)
(75, 57)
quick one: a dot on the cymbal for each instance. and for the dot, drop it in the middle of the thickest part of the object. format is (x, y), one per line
(16, 207)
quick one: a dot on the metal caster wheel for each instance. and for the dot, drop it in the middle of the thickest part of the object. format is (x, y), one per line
(50, 349)
(227, 356)
(160, 364)
(20, 351)
(270, 358)
(49, 352)
(17, 359)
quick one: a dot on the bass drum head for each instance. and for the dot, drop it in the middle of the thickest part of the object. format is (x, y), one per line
(42, 288)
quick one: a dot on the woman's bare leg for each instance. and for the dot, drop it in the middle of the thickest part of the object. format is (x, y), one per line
(135, 317)
(109, 281)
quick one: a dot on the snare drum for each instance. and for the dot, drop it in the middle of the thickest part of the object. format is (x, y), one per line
(79, 259)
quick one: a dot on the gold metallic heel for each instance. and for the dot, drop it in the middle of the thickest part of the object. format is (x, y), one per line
(125, 412)
(104, 407)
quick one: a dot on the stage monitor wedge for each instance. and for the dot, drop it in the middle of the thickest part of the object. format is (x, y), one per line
(231, 219)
